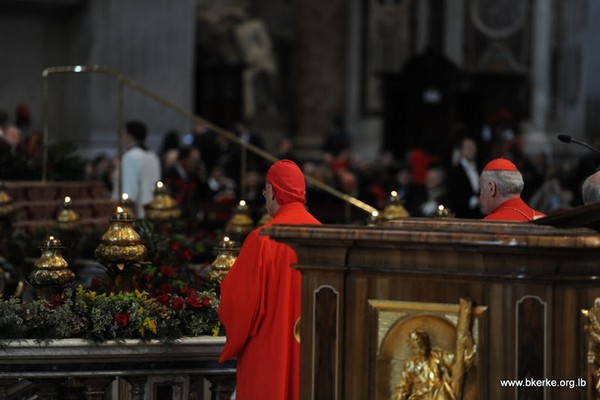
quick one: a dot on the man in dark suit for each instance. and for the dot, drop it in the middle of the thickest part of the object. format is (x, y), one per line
(463, 182)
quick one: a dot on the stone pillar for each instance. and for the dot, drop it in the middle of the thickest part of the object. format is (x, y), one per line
(541, 64)
(536, 138)
(151, 42)
(454, 32)
(321, 71)
(575, 20)
(422, 28)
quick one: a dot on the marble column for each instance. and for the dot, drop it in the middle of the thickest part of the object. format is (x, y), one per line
(151, 42)
(454, 32)
(321, 70)
(536, 138)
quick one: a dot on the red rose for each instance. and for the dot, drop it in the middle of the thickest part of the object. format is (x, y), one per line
(57, 301)
(193, 302)
(177, 303)
(175, 246)
(121, 319)
(166, 288)
(187, 291)
(206, 301)
(163, 299)
(54, 303)
(167, 272)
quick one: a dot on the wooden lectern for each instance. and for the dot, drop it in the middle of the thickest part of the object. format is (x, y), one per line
(367, 290)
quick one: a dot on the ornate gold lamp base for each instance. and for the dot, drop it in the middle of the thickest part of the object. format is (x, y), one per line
(51, 274)
(163, 207)
(121, 251)
(227, 252)
(240, 224)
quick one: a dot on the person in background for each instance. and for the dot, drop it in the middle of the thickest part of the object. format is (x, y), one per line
(412, 195)
(260, 297)
(169, 149)
(102, 170)
(5, 148)
(140, 168)
(208, 142)
(590, 189)
(435, 193)
(23, 120)
(501, 185)
(463, 182)
(186, 178)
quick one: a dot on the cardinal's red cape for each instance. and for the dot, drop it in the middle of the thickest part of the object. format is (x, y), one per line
(260, 303)
(514, 209)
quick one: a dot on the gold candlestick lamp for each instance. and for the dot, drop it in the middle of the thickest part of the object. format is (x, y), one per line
(163, 207)
(227, 252)
(68, 219)
(121, 250)
(51, 272)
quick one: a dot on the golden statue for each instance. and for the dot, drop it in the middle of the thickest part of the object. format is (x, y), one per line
(592, 327)
(433, 374)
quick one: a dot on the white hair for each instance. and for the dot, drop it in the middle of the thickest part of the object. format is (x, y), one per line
(507, 182)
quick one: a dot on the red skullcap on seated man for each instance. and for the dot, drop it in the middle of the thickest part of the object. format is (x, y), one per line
(500, 164)
(501, 185)
(287, 181)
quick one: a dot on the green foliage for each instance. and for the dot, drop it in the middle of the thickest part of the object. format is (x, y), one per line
(99, 317)
(173, 301)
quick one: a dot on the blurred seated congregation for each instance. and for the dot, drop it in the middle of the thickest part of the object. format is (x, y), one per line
(391, 108)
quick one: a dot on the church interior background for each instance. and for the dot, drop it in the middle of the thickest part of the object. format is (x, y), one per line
(388, 77)
(309, 64)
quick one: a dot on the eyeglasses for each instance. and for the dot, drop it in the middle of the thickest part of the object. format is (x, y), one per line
(264, 191)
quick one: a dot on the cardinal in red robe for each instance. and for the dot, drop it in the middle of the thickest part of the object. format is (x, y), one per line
(501, 185)
(260, 297)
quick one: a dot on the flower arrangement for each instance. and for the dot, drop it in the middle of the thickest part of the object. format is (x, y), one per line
(172, 300)
(86, 314)
(170, 258)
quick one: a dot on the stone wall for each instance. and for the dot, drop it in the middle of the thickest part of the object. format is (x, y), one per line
(149, 41)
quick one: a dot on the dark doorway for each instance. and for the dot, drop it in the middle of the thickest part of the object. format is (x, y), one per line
(421, 104)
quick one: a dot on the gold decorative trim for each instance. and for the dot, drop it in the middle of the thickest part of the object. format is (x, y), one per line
(396, 320)
(592, 329)
(297, 330)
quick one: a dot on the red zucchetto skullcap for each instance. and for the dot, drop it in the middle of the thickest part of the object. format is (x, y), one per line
(287, 181)
(500, 164)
